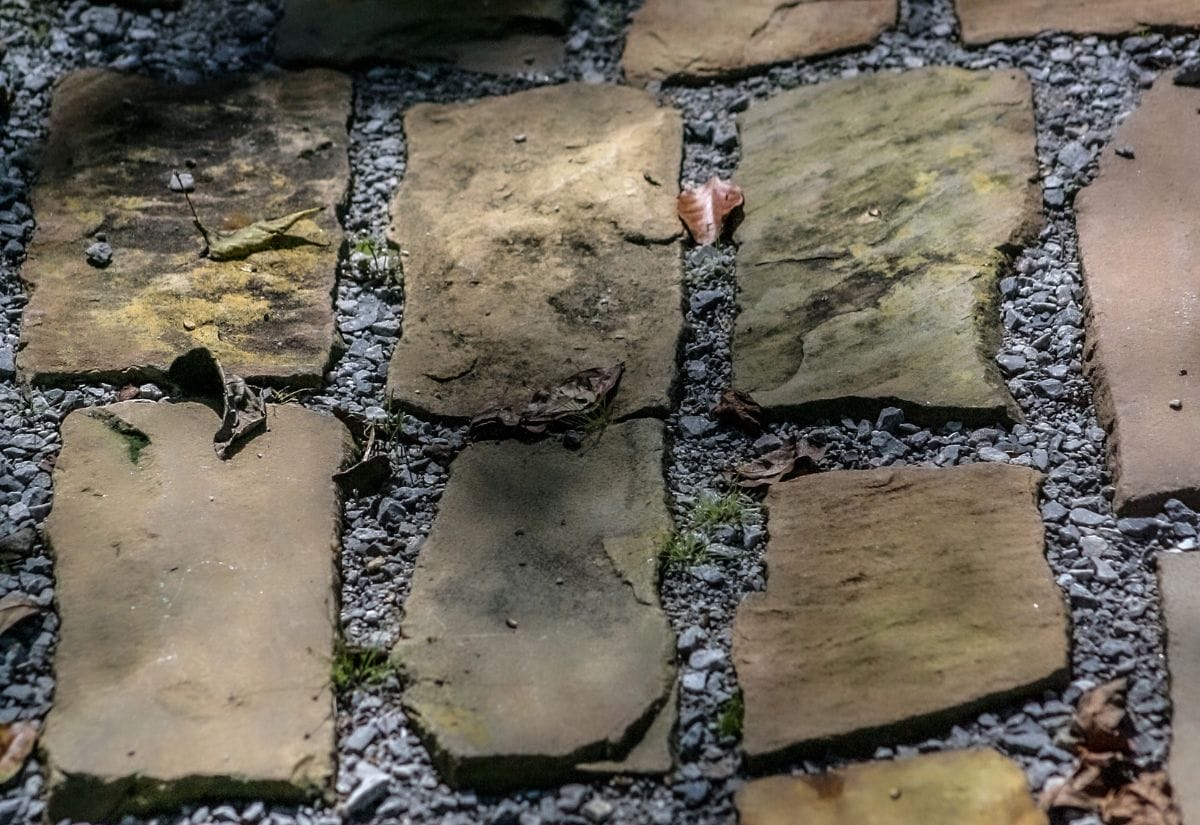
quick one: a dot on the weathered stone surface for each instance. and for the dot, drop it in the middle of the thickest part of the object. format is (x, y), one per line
(652, 755)
(500, 36)
(986, 20)
(699, 39)
(1139, 247)
(875, 213)
(263, 148)
(975, 787)
(926, 590)
(541, 236)
(533, 637)
(1179, 582)
(198, 606)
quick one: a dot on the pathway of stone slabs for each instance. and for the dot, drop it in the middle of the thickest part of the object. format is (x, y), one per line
(538, 642)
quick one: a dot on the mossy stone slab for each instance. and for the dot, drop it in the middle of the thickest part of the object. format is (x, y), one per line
(1140, 250)
(262, 147)
(533, 644)
(198, 607)
(898, 601)
(542, 240)
(986, 20)
(696, 40)
(973, 787)
(495, 36)
(877, 210)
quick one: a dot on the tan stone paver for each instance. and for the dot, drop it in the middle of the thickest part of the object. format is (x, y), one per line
(499, 36)
(262, 149)
(533, 641)
(975, 787)
(1140, 251)
(986, 20)
(700, 39)
(198, 608)
(876, 209)
(897, 600)
(541, 234)
(1179, 584)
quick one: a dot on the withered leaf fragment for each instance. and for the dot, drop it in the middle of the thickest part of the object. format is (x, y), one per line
(1100, 721)
(738, 409)
(127, 393)
(257, 237)
(576, 397)
(710, 210)
(199, 374)
(16, 743)
(16, 608)
(1107, 781)
(792, 459)
(368, 475)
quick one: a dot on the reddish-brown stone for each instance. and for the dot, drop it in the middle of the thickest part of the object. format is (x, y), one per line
(699, 39)
(1140, 247)
(898, 600)
(987, 20)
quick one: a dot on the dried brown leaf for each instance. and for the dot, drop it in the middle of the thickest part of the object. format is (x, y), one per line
(738, 409)
(710, 210)
(1100, 721)
(257, 237)
(578, 395)
(787, 461)
(16, 743)
(127, 393)
(16, 608)
(1144, 801)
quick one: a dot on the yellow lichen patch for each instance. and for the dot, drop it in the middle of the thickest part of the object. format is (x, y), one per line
(982, 183)
(923, 183)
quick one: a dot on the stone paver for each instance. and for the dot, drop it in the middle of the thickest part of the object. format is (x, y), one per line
(1179, 582)
(875, 210)
(261, 149)
(699, 39)
(926, 590)
(198, 607)
(500, 36)
(976, 787)
(986, 20)
(1140, 247)
(533, 637)
(541, 236)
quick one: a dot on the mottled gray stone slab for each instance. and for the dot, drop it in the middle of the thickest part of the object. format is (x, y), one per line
(541, 238)
(262, 148)
(1140, 249)
(500, 36)
(898, 601)
(876, 209)
(198, 610)
(533, 641)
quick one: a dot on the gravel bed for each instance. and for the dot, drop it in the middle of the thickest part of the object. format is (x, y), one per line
(1105, 567)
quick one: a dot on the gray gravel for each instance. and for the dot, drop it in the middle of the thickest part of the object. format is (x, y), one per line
(1082, 86)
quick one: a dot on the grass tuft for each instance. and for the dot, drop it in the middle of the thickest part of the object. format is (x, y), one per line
(684, 548)
(356, 666)
(729, 721)
(733, 507)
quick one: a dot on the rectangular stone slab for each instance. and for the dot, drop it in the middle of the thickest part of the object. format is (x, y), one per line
(986, 20)
(696, 40)
(499, 36)
(973, 787)
(898, 601)
(541, 234)
(876, 209)
(1179, 584)
(262, 149)
(198, 607)
(533, 645)
(1140, 249)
